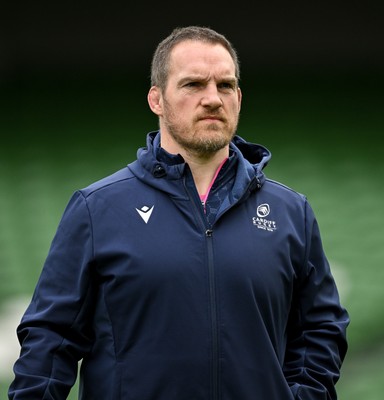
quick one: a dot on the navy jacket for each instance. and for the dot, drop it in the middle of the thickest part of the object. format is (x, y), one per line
(161, 305)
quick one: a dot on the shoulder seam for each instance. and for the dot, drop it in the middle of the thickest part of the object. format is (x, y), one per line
(282, 185)
(88, 191)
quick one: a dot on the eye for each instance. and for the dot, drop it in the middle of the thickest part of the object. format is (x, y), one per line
(192, 84)
(226, 86)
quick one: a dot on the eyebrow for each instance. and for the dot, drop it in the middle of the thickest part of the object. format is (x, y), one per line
(230, 79)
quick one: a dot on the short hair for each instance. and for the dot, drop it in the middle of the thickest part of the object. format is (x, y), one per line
(161, 56)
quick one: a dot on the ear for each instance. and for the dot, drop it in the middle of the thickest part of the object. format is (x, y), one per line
(239, 96)
(154, 100)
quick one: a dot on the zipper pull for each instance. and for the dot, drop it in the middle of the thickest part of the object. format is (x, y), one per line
(209, 232)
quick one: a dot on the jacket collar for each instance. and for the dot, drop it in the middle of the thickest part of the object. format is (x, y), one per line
(163, 170)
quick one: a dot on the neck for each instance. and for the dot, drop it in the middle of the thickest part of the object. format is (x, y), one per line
(204, 170)
(203, 166)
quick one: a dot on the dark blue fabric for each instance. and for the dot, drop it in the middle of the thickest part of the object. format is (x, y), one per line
(158, 307)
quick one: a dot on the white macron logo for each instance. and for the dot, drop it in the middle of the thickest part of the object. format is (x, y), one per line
(145, 213)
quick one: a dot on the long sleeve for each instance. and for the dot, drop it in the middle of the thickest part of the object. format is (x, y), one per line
(317, 341)
(54, 332)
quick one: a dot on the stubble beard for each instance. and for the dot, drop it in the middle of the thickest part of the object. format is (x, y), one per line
(201, 141)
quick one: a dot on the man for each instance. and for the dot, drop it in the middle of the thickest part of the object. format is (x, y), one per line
(187, 275)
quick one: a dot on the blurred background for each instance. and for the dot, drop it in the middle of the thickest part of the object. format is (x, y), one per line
(73, 86)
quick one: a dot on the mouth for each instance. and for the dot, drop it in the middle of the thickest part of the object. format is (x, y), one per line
(211, 118)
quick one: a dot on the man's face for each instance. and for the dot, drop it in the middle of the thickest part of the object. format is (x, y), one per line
(201, 103)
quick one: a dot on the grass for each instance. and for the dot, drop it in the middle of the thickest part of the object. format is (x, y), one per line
(324, 134)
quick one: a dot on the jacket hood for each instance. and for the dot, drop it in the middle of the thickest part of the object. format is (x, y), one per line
(256, 155)
(152, 165)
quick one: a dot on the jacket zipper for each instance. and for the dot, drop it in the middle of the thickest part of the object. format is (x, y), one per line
(212, 293)
(214, 317)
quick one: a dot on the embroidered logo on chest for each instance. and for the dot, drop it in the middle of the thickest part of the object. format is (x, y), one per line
(260, 221)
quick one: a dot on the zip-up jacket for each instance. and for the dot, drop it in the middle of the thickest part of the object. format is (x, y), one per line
(162, 303)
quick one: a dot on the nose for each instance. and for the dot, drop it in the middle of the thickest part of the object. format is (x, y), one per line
(211, 97)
